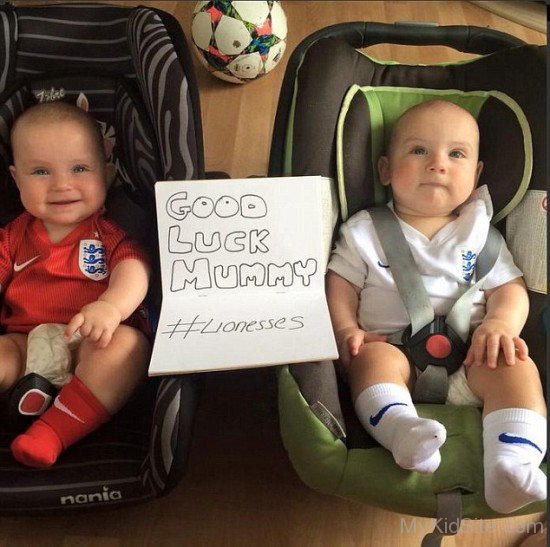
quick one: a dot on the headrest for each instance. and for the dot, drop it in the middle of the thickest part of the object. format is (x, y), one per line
(140, 48)
(366, 120)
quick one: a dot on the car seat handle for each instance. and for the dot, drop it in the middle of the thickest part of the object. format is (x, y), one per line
(468, 39)
(361, 34)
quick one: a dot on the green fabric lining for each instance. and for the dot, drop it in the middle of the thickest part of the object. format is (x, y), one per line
(340, 148)
(528, 151)
(378, 139)
(384, 62)
(379, 61)
(318, 457)
(289, 134)
(325, 464)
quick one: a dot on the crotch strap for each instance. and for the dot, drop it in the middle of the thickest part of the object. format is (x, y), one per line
(431, 341)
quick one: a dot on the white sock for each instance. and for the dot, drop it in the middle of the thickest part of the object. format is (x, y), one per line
(388, 414)
(514, 443)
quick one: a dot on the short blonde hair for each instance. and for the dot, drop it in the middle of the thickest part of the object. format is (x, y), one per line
(60, 111)
(426, 105)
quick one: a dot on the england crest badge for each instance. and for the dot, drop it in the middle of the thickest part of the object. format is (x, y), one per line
(92, 259)
(468, 263)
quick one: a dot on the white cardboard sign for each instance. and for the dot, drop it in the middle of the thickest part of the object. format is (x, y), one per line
(242, 265)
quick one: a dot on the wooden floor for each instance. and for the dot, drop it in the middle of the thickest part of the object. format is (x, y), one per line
(240, 489)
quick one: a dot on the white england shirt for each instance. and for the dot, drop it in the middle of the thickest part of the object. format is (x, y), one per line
(446, 263)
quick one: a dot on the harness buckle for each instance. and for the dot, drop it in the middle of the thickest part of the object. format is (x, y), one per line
(435, 344)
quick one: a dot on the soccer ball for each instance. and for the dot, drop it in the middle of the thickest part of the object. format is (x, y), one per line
(239, 41)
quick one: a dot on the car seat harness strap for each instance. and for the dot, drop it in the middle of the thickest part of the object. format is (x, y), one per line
(448, 518)
(437, 345)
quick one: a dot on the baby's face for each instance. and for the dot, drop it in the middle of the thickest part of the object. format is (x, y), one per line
(59, 171)
(433, 163)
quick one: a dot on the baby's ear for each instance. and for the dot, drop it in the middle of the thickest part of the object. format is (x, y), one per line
(110, 169)
(384, 170)
(13, 174)
(479, 169)
(110, 174)
(108, 146)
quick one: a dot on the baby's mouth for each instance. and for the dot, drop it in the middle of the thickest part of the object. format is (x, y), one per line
(64, 202)
(434, 184)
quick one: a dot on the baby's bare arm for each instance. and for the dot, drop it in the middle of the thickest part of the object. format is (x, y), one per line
(127, 288)
(343, 301)
(507, 309)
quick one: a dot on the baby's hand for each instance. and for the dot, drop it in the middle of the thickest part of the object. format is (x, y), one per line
(96, 321)
(351, 339)
(491, 337)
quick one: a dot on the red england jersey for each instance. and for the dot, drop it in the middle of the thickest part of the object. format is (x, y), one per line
(45, 282)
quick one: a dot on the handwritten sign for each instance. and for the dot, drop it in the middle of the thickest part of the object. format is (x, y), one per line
(242, 267)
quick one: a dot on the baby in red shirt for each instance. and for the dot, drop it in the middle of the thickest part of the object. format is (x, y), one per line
(61, 261)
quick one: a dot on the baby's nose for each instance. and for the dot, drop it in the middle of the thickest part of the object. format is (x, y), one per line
(437, 163)
(61, 181)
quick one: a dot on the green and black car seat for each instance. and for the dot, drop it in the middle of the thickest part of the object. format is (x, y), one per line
(132, 68)
(336, 108)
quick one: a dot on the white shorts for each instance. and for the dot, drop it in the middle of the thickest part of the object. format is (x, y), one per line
(459, 391)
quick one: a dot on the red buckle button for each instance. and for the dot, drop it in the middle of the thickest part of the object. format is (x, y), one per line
(438, 346)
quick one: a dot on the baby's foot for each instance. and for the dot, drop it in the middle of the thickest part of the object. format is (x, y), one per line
(39, 446)
(417, 444)
(514, 442)
(510, 485)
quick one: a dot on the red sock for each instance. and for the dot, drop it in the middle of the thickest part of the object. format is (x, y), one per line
(74, 413)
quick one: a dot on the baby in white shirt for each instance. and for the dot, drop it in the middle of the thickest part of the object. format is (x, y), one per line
(433, 168)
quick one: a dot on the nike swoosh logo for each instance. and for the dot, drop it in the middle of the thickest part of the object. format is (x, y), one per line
(383, 265)
(513, 439)
(60, 406)
(378, 416)
(19, 267)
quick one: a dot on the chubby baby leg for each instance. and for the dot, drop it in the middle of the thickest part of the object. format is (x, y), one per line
(13, 354)
(113, 373)
(49, 366)
(379, 377)
(514, 433)
(103, 382)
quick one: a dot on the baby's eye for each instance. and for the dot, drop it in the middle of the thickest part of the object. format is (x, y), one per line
(79, 169)
(457, 154)
(419, 150)
(40, 172)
